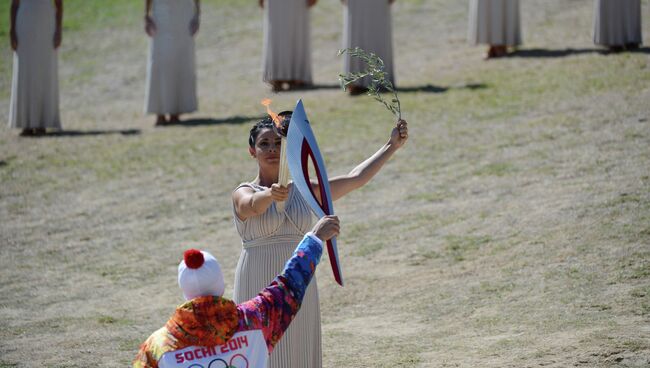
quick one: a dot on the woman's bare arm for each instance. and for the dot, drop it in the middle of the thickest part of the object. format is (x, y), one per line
(250, 203)
(362, 173)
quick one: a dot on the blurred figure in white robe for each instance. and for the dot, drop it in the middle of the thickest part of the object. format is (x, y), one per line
(286, 52)
(617, 24)
(35, 34)
(495, 23)
(171, 68)
(367, 25)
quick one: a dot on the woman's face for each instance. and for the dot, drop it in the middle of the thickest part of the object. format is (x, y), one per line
(267, 149)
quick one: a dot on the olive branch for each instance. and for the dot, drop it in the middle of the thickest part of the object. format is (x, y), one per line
(379, 81)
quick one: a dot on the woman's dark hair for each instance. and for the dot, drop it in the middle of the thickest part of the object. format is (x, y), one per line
(266, 123)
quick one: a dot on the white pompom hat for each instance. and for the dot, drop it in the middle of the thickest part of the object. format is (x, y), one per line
(199, 274)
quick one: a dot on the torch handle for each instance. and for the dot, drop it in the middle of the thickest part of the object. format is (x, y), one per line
(283, 175)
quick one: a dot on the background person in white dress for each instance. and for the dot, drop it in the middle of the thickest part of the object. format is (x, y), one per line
(171, 68)
(617, 24)
(286, 51)
(367, 25)
(35, 36)
(495, 23)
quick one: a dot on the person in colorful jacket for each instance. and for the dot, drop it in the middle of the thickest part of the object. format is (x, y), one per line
(209, 331)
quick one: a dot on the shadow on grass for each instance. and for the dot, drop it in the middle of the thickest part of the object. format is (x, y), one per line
(641, 50)
(312, 87)
(324, 86)
(85, 133)
(211, 121)
(546, 53)
(430, 88)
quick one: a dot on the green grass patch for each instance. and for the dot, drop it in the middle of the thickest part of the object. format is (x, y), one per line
(635, 345)
(494, 288)
(80, 15)
(495, 169)
(432, 197)
(641, 292)
(422, 256)
(459, 248)
(368, 248)
(634, 267)
(110, 320)
(641, 272)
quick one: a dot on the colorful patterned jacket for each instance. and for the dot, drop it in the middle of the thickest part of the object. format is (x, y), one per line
(214, 332)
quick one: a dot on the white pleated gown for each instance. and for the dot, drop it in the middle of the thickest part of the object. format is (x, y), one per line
(35, 83)
(367, 25)
(286, 53)
(617, 22)
(268, 241)
(171, 68)
(494, 22)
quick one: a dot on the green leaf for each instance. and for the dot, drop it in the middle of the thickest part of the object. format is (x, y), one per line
(378, 78)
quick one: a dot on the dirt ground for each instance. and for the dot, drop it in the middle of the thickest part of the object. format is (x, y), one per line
(513, 230)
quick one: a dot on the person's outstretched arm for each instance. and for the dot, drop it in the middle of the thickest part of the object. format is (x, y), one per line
(362, 173)
(249, 203)
(273, 309)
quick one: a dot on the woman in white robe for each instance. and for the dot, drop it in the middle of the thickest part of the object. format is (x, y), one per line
(495, 23)
(286, 51)
(269, 233)
(35, 36)
(367, 25)
(171, 68)
(617, 24)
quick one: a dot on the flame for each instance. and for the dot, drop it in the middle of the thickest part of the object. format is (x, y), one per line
(276, 118)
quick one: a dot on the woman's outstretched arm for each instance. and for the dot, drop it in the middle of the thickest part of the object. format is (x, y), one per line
(362, 173)
(250, 203)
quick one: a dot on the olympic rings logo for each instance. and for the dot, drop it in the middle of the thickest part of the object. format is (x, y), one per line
(236, 361)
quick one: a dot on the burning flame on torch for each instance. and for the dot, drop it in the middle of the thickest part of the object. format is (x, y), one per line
(283, 173)
(276, 118)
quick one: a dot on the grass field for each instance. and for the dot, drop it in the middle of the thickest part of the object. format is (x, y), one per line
(513, 229)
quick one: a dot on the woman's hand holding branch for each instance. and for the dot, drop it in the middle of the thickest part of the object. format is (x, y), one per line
(399, 135)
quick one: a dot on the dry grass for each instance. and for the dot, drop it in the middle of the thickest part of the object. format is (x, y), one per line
(512, 231)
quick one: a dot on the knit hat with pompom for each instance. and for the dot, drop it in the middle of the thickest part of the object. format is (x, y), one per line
(199, 274)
